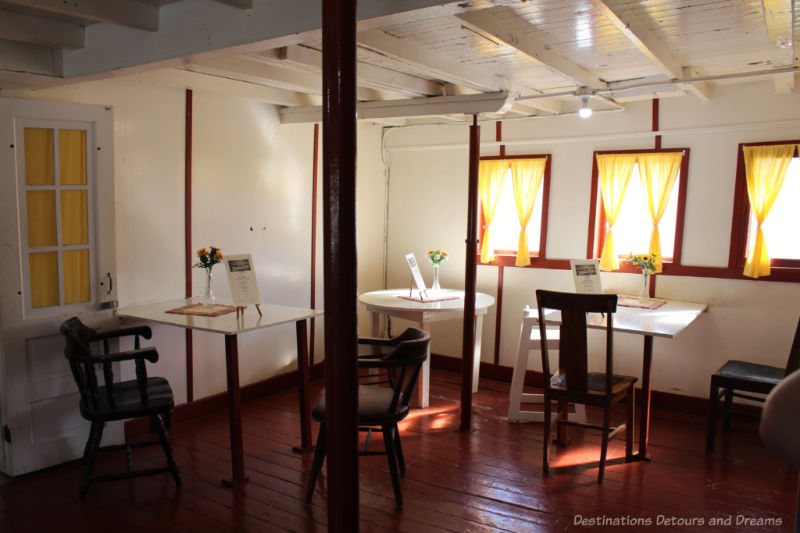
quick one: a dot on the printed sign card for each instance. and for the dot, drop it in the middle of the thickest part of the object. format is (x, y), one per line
(242, 280)
(586, 275)
(416, 275)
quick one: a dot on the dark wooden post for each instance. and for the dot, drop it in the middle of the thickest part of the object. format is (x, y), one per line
(339, 220)
(187, 221)
(468, 340)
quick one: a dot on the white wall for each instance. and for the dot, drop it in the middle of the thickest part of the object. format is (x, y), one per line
(248, 171)
(752, 320)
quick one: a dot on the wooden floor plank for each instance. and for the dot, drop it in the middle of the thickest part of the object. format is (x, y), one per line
(486, 480)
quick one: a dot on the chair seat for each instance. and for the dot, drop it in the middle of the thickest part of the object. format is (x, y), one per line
(128, 401)
(742, 370)
(597, 383)
(372, 407)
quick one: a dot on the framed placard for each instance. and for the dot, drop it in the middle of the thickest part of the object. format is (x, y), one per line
(242, 279)
(586, 275)
(416, 275)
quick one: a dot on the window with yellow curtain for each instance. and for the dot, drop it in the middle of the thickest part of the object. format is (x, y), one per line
(769, 177)
(56, 201)
(520, 197)
(650, 210)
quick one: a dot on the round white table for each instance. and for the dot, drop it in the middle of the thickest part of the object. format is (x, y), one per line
(392, 302)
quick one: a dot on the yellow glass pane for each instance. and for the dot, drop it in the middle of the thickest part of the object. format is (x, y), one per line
(73, 218)
(44, 279)
(41, 218)
(72, 157)
(39, 156)
(76, 276)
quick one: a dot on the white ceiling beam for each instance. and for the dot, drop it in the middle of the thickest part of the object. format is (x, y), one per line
(28, 59)
(216, 30)
(498, 102)
(779, 21)
(270, 75)
(486, 22)
(370, 76)
(701, 89)
(551, 106)
(422, 58)
(129, 13)
(39, 30)
(241, 4)
(784, 83)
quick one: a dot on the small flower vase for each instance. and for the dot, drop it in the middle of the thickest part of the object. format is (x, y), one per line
(208, 293)
(644, 292)
(435, 285)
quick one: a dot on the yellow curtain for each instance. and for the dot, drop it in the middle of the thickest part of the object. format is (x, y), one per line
(526, 176)
(39, 168)
(614, 172)
(490, 183)
(765, 168)
(658, 173)
(72, 157)
(44, 279)
(76, 276)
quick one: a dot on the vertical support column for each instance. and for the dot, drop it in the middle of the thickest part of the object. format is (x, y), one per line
(339, 220)
(644, 416)
(313, 299)
(468, 339)
(187, 221)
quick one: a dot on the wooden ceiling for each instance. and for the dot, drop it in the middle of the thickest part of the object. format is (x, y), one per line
(417, 59)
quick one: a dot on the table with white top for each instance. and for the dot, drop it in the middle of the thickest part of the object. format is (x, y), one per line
(230, 325)
(391, 302)
(665, 322)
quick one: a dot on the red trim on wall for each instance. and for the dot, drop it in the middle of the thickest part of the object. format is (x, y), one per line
(655, 123)
(187, 221)
(498, 323)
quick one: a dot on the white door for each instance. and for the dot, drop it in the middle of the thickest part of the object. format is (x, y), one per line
(57, 259)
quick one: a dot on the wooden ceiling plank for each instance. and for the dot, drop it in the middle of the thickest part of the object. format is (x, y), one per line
(485, 22)
(37, 30)
(127, 13)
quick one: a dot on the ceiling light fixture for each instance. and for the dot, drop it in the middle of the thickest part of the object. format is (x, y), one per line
(585, 111)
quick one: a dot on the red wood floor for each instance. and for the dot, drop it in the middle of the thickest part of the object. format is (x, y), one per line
(487, 480)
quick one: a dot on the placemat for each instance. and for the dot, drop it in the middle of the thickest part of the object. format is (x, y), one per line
(428, 300)
(627, 301)
(203, 310)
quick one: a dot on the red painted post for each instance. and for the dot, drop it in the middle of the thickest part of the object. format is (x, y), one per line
(468, 339)
(339, 221)
(187, 221)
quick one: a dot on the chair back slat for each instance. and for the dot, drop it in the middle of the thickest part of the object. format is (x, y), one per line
(573, 356)
(793, 361)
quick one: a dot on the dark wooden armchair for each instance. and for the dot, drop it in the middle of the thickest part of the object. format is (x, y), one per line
(742, 379)
(381, 404)
(120, 400)
(573, 383)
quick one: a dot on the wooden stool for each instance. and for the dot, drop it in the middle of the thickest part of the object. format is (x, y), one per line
(530, 339)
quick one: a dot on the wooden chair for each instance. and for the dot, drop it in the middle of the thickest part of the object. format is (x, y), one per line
(749, 378)
(121, 400)
(573, 383)
(380, 406)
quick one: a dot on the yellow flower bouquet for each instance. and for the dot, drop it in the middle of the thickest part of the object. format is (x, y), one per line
(645, 262)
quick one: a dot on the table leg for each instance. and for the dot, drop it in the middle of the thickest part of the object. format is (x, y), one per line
(644, 416)
(424, 380)
(375, 325)
(234, 411)
(304, 392)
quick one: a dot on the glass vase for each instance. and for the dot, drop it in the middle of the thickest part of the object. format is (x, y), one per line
(208, 293)
(435, 285)
(644, 292)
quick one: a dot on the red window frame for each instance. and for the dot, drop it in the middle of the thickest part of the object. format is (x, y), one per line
(780, 269)
(597, 217)
(509, 257)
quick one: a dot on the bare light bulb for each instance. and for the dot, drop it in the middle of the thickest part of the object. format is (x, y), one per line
(585, 111)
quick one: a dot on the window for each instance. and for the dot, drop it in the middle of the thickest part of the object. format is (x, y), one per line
(513, 191)
(772, 169)
(627, 181)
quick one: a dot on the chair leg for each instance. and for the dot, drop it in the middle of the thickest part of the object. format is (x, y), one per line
(561, 429)
(713, 401)
(316, 463)
(167, 447)
(604, 445)
(629, 423)
(401, 462)
(726, 415)
(546, 445)
(391, 455)
(92, 446)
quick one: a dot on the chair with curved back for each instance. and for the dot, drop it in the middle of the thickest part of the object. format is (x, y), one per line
(120, 400)
(750, 378)
(381, 404)
(573, 383)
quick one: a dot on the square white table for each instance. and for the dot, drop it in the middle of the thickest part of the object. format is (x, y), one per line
(666, 322)
(390, 302)
(231, 325)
